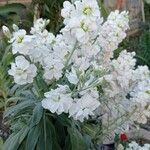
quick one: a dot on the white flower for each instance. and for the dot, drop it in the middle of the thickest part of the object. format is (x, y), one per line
(52, 68)
(58, 100)
(135, 146)
(72, 76)
(18, 36)
(120, 147)
(112, 33)
(84, 106)
(121, 73)
(140, 93)
(39, 25)
(68, 8)
(88, 8)
(21, 43)
(22, 71)
(141, 73)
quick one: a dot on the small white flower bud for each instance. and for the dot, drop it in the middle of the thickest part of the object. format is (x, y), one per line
(15, 27)
(6, 31)
(120, 147)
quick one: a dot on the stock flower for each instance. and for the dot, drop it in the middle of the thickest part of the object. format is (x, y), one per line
(85, 106)
(89, 9)
(135, 146)
(112, 33)
(22, 71)
(72, 76)
(20, 42)
(52, 68)
(39, 25)
(58, 100)
(68, 8)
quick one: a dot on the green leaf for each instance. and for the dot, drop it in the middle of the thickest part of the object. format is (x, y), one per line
(77, 140)
(53, 137)
(8, 8)
(37, 114)
(64, 120)
(60, 132)
(147, 1)
(1, 143)
(12, 142)
(103, 9)
(24, 133)
(19, 108)
(7, 59)
(2, 104)
(33, 137)
(16, 139)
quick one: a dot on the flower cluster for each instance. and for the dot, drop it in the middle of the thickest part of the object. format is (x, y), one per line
(22, 70)
(79, 63)
(135, 146)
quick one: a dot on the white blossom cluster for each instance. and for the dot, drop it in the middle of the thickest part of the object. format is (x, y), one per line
(135, 146)
(78, 61)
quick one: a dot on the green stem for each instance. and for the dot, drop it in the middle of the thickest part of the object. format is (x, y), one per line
(44, 120)
(5, 100)
(67, 62)
(108, 130)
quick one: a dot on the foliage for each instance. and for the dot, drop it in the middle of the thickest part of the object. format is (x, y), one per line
(9, 13)
(1, 143)
(143, 51)
(147, 12)
(140, 44)
(147, 1)
(5, 81)
(35, 128)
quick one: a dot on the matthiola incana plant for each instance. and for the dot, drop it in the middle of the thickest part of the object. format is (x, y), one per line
(69, 91)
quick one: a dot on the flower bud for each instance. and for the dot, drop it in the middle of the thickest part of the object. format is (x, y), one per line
(15, 27)
(120, 147)
(6, 31)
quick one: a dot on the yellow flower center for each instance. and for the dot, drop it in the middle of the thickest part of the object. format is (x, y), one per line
(20, 39)
(87, 10)
(84, 26)
(148, 92)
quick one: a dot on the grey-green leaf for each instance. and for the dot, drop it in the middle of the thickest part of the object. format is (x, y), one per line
(37, 114)
(33, 137)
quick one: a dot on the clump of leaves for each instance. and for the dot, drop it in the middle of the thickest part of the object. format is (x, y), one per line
(6, 58)
(1, 143)
(143, 52)
(9, 13)
(16, 13)
(34, 128)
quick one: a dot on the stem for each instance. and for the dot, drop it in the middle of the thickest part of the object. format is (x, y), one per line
(5, 100)
(108, 130)
(67, 62)
(44, 120)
